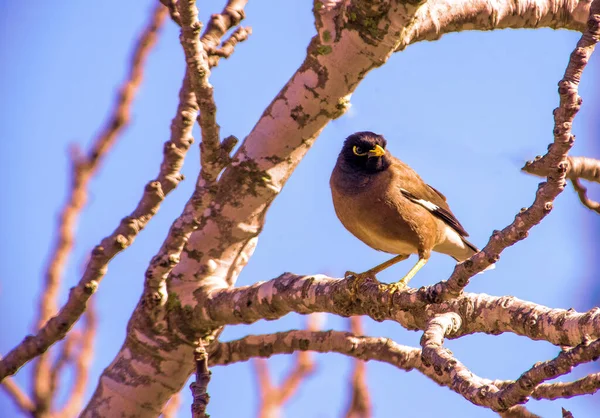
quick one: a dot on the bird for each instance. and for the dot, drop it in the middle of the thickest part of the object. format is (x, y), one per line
(387, 205)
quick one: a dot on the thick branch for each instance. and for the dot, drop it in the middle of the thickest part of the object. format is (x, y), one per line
(352, 38)
(147, 320)
(480, 312)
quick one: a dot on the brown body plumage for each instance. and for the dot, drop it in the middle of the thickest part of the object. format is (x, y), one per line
(386, 204)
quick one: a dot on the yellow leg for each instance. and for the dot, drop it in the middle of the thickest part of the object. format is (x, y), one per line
(386, 264)
(402, 283)
(370, 274)
(411, 273)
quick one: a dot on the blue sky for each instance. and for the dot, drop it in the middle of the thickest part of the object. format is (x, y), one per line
(465, 112)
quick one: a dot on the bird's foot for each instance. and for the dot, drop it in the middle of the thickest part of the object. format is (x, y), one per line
(360, 279)
(395, 287)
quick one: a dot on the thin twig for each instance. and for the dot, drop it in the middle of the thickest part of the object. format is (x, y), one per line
(199, 71)
(582, 193)
(83, 362)
(154, 193)
(169, 254)
(273, 398)
(226, 49)
(18, 396)
(554, 162)
(199, 388)
(64, 358)
(360, 402)
(83, 169)
(578, 168)
(171, 6)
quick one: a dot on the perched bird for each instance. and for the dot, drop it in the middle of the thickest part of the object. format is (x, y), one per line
(385, 204)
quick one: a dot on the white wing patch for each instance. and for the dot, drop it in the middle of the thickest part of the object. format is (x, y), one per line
(431, 207)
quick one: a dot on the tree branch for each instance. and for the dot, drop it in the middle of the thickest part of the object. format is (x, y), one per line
(83, 362)
(353, 37)
(199, 388)
(554, 162)
(154, 193)
(83, 169)
(578, 168)
(16, 394)
(360, 402)
(273, 398)
(171, 408)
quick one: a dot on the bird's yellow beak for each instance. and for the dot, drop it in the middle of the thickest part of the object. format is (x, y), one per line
(378, 151)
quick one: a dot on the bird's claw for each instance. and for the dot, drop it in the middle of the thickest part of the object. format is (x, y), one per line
(395, 287)
(359, 280)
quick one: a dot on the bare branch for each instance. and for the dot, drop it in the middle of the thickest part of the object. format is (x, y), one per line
(481, 313)
(582, 193)
(585, 386)
(83, 362)
(524, 386)
(360, 402)
(199, 72)
(364, 348)
(171, 408)
(64, 358)
(554, 162)
(272, 398)
(239, 35)
(83, 169)
(154, 193)
(578, 168)
(16, 394)
(200, 386)
(213, 161)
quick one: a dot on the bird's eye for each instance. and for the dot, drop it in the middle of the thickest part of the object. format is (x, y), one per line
(358, 151)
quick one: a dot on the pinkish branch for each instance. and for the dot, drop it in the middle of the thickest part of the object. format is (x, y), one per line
(18, 396)
(226, 49)
(579, 168)
(154, 193)
(83, 169)
(82, 364)
(555, 165)
(360, 402)
(273, 398)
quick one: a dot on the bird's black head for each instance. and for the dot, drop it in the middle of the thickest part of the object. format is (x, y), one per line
(365, 152)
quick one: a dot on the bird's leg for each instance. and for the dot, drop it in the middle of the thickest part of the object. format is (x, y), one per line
(360, 278)
(403, 282)
(386, 264)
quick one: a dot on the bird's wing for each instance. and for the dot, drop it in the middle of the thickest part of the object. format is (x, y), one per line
(442, 213)
(438, 192)
(415, 189)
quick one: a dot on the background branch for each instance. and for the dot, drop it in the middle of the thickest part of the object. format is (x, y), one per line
(273, 398)
(360, 401)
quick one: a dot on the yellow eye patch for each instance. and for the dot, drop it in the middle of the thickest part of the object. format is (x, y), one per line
(359, 151)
